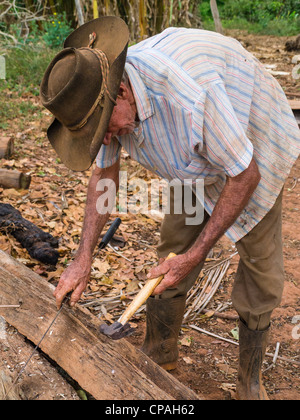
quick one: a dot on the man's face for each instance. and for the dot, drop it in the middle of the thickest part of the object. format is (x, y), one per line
(123, 117)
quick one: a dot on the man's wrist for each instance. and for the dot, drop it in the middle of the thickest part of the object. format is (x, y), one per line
(84, 256)
(196, 255)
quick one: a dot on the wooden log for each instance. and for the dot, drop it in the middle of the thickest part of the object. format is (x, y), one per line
(14, 179)
(107, 369)
(6, 147)
(39, 244)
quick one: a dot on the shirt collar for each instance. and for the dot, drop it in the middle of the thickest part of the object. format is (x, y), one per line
(143, 102)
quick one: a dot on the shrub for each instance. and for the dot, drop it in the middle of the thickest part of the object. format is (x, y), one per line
(56, 31)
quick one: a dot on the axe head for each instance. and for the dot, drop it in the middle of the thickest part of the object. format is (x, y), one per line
(116, 331)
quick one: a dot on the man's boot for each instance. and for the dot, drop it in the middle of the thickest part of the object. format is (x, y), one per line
(253, 345)
(164, 319)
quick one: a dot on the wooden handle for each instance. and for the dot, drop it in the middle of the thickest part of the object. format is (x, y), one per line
(142, 296)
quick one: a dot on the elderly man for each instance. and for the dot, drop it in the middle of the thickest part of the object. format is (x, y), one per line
(193, 105)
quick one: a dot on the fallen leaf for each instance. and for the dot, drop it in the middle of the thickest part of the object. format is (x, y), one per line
(235, 333)
(226, 369)
(186, 341)
(102, 266)
(188, 360)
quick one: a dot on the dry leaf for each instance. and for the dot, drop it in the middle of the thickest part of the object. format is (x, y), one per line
(226, 369)
(102, 266)
(188, 360)
(186, 341)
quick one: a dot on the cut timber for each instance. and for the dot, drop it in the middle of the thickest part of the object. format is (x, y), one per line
(14, 179)
(6, 147)
(105, 368)
(295, 105)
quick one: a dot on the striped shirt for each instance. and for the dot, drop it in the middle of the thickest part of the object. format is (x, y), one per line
(206, 108)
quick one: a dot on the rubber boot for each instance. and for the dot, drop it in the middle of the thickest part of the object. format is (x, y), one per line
(253, 346)
(164, 319)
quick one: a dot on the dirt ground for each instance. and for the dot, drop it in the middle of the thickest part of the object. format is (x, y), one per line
(207, 365)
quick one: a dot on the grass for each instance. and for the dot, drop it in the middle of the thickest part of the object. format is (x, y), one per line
(14, 106)
(25, 67)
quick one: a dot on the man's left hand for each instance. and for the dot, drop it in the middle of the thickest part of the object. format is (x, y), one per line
(174, 271)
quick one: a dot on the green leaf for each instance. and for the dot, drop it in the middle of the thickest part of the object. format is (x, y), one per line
(235, 333)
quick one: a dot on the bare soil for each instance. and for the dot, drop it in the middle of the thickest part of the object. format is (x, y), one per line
(207, 365)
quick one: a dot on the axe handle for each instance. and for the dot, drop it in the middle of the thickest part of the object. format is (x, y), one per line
(142, 296)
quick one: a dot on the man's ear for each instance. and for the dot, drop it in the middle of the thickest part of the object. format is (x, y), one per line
(123, 91)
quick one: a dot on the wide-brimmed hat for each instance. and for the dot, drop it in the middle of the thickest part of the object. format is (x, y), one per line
(80, 88)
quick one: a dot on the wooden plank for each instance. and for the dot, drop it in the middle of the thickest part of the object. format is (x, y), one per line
(107, 369)
(294, 104)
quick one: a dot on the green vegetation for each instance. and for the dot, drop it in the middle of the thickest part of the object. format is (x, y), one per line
(27, 57)
(280, 18)
(32, 33)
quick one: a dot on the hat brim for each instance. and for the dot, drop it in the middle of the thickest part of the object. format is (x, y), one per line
(78, 149)
(74, 147)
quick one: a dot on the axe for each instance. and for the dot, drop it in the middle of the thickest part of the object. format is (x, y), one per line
(122, 328)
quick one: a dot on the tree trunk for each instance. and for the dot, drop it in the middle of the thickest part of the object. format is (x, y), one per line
(14, 179)
(107, 369)
(216, 16)
(79, 12)
(38, 243)
(6, 147)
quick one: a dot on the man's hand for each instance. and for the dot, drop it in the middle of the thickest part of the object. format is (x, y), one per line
(174, 271)
(74, 279)
(77, 275)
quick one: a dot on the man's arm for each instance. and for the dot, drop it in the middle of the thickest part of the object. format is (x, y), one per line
(234, 198)
(76, 277)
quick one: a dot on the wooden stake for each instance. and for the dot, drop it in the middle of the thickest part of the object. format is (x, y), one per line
(79, 12)
(216, 16)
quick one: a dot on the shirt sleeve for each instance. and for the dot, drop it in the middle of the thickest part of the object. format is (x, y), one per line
(108, 155)
(223, 140)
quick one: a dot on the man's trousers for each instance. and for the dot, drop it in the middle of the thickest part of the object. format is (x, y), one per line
(259, 281)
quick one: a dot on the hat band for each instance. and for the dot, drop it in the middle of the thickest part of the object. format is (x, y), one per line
(104, 64)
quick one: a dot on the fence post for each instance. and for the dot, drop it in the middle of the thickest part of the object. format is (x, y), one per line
(216, 16)
(2, 67)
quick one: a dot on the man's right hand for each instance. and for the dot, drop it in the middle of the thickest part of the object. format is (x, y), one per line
(74, 279)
